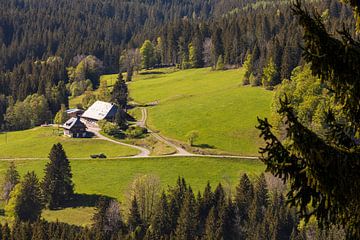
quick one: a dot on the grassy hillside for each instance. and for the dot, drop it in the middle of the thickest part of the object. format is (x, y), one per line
(211, 102)
(37, 142)
(113, 177)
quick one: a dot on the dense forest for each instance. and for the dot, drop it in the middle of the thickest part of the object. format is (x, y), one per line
(52, 49)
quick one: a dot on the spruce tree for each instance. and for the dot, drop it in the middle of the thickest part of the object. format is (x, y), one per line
(243, 198)
(120, 94)
(134, 219)
(323, 171)
(28, 204)
(160, 224)
(210, 226)
(57, 185)
(188, 220)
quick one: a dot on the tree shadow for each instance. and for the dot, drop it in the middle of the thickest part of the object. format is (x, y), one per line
(204, 145)
(152, 72)
(83, 200)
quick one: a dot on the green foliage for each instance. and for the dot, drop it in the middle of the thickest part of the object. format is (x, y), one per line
(57, 186)
(104, 93)
(88, 99)
(111, 129)
(220, 63)
(196, 53)
(269, 74)
(187, 222)
(253, 80)
(148, 54)
(79, 87)
(247, 66)
(135, 132)
(119, 94)
(323, 171)
(28, 204)
(61, 116)
(33, 111)
(309, 99)
(192, 136)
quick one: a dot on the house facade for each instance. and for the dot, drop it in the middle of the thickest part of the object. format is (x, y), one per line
(75, 128)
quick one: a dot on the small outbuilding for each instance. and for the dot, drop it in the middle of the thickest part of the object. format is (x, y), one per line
(75, 128)
(99, 111)
(74, 112)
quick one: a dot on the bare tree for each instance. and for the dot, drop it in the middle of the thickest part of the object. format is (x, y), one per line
(146, 189)
(208, 45)
(113, 216)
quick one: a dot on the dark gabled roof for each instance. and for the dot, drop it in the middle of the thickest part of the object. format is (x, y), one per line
(72, 122)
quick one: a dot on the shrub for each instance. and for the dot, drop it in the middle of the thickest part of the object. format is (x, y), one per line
(135, 132)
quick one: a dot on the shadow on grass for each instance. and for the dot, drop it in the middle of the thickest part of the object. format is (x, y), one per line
(84, 200)
(152, 72)
(204, 145)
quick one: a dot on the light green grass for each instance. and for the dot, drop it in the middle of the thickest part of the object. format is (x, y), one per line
(77, 216)
(37, 142)
(211, 102)
(113, 177)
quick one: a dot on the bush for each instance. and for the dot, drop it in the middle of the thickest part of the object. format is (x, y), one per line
(111, 129)
(135, 132)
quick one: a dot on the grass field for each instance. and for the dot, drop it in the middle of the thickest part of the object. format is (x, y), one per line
(113, 177)
(211, 102)
(37, 142)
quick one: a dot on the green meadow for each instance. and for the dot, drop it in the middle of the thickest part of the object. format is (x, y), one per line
(214, 103)
(37, 142)
(114, 177)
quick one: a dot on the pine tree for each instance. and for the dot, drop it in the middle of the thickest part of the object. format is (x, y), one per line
(57, 185)
(28, 204)
(160, 223)
(260, 202)
(210, 226)
(323, 171)
(188, 220)
(99, 217)
(120, 94)
(134, 220)
(11, 179)
(244, 197)
(205, 205)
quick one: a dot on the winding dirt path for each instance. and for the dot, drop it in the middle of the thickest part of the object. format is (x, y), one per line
(144, 153)
(96, 130)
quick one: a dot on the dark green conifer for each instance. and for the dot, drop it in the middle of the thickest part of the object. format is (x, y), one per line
(28, 204)
(57, 185)
(188, 220)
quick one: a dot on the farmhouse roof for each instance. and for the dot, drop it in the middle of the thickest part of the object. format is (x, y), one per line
(100, 110)
(73, 110)
(72, 122)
